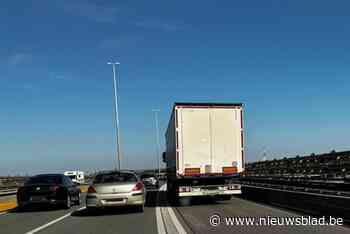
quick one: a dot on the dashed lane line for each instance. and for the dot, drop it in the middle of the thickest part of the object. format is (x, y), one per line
(53, 222)
(3, 213)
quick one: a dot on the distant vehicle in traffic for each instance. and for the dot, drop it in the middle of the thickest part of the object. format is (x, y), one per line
(116, 188)
(162, 177)
(76, 176)
(150, 180)
(52, 189)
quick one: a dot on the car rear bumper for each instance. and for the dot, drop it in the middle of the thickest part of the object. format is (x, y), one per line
(209, 193)
(113, 200)
(41, 202)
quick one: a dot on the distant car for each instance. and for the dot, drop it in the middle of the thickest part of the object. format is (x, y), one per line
(76, 176)
(162, 177)
(116, 188)
(53, 189)
(150, 180)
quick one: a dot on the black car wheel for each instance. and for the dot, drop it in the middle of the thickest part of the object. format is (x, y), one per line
(68, 202)
(78, 201)
(140, 208)
(21, 207)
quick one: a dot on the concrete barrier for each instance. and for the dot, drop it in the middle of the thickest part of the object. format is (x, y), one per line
(8, 204)
(315, 204)
(6, 192)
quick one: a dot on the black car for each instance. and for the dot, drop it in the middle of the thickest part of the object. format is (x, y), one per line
(53, 189)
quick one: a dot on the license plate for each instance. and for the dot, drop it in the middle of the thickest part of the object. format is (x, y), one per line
(212, 188)
(116, 200)
(210, 192)
(37, 198)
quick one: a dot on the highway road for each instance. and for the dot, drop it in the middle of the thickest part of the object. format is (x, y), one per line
(158, 217)
(197, 216)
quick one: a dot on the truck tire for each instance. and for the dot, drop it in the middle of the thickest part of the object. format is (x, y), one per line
(225, 197)
(173, 194)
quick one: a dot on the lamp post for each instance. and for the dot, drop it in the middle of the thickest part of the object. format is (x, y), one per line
(156, 123)
(116, 116)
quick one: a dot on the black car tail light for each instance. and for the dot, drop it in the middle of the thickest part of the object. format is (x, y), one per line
(54, 188)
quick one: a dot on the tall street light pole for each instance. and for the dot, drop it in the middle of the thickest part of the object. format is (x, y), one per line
(116, 116)
(156, 122)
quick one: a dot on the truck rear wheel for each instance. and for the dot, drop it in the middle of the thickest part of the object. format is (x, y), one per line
(172, 193)
(225, 197)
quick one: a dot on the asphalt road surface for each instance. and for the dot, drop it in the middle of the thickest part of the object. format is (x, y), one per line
(158, 217)
(197, 216)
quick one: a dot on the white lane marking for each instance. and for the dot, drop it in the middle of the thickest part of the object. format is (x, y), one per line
(160, 222)
(173, 217)
(53, 222)
(159, 218)
(3, 213)
(176, 222)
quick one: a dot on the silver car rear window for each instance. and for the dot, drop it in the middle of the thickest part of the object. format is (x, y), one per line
(115, 177)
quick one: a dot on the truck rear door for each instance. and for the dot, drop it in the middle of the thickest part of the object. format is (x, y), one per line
(195, 140)
(209, 140)
(225, 139)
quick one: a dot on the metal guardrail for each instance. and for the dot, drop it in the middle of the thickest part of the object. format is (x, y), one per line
(299, 189)
(332, 187)
(327, 203)
(6, 192)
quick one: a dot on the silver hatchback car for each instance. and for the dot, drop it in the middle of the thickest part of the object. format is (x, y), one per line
(116, 188)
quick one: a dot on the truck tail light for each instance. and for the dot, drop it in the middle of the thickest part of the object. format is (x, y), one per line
(138, 187)
(91, 190)
(234, 186)
(185, 189)
(192, 171)
(229, 170)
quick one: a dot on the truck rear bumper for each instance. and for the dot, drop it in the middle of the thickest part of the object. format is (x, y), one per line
(209, 193)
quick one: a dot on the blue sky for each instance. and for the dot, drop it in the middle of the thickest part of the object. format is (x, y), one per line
(287, 61)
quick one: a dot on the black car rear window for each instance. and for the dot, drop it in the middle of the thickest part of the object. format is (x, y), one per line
(115, 177)
(45, 180)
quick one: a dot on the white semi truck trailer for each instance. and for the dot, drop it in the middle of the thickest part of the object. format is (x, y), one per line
(204, 150)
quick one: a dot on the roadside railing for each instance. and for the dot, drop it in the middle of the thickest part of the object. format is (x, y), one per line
(5, 191)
